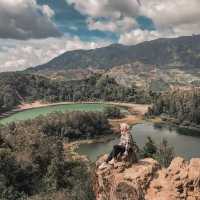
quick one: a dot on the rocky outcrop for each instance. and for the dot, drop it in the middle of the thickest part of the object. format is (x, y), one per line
(146, 180)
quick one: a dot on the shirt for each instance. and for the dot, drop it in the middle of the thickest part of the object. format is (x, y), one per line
(126, 140)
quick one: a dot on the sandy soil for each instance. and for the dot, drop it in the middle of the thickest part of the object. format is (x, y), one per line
(129, 119)
(39, 104)
(137, 109)
(136, 115)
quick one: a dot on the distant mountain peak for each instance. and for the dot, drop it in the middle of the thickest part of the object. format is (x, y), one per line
(184, 51)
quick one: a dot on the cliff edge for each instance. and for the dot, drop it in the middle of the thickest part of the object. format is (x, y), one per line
(147, 180)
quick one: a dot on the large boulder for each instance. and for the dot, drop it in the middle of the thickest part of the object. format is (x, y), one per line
(118, 182)
(146, 180)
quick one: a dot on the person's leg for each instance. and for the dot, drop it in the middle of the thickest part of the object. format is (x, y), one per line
(111, 155)
(120, 150)
(116, 150)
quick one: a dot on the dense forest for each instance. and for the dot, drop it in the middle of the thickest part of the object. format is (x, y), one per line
(183, 105)
(16, 87)
(34, 164)
(69, 125)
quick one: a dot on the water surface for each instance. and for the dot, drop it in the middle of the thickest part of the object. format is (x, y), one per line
(184, 145)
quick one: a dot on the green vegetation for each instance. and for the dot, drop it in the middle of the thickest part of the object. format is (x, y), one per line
(39, 170)
(149, 149)
(183, 105)
(112, 112)
(69, 125)
(33, 113)
(33, 163)
(16, 87)
(163, 153)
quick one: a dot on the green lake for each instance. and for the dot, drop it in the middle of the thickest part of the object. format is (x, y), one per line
(35, 112)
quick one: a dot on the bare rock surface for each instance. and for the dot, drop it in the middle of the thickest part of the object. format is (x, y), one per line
(146, 180)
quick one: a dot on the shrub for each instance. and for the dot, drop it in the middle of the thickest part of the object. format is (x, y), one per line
(149, 149)
(112, 112)
(165, 153)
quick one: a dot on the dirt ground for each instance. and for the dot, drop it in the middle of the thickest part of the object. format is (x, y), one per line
(136, 115)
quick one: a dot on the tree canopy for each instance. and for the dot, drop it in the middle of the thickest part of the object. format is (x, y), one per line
(34, 164)
(16, 87)
(184, 105)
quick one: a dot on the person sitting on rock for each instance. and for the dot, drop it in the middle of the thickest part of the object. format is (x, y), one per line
(126, 143)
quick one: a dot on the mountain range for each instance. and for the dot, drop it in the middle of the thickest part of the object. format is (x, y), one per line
(167, 60)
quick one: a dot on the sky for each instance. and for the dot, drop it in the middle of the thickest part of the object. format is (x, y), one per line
(34, 31)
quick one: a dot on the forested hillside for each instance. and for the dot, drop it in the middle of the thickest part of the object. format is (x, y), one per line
(156, 64)
(182, 51)
(16, 87)
(184, 105)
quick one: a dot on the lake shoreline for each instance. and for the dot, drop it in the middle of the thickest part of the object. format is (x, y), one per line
(73, 146)
(103, 139)
(41, 104)
(184, 145)
(159, 121)
(134, 116)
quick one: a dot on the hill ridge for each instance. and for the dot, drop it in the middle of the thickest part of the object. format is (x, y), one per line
(181, 51)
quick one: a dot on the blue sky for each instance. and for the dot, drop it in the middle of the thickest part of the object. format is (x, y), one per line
(70, 21)
(34, 31)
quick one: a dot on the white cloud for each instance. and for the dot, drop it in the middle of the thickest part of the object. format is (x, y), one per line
(118, 15)
(181, 17)
(24, 19)
(106, 8)
(19, 55)
(171, 17)
(167, 13)
(48, 11)
(137, 36)
(120, 25)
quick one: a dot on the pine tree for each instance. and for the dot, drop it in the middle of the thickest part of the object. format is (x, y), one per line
(149, 149)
